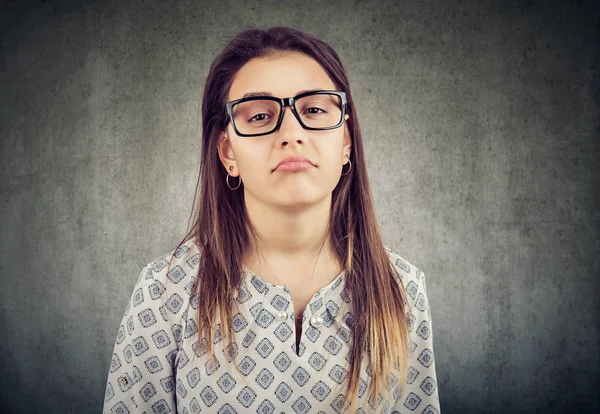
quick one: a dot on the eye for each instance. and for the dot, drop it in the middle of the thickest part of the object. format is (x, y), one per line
(258, 115)
(314, 107)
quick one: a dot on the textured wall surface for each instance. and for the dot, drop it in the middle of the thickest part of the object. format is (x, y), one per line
(481, 128)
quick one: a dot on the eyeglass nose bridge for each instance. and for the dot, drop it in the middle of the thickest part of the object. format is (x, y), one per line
(287, 102)
(291, 103)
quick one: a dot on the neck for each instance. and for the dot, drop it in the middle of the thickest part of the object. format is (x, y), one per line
(292, 233)
(288, 239)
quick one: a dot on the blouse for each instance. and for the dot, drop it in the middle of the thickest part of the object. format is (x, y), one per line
(158, 367)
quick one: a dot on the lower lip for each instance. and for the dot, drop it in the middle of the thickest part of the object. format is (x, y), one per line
(294, 166)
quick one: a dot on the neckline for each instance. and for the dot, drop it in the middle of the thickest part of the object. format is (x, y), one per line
(249, 272)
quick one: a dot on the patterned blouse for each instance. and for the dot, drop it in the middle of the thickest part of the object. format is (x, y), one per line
(157, 366)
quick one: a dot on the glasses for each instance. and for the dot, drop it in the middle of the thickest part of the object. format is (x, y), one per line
(262, 115)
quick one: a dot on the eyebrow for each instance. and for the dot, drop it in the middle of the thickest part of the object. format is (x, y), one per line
(249, 94)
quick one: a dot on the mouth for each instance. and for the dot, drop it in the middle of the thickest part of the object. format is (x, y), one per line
(294, 163)
(294, 166)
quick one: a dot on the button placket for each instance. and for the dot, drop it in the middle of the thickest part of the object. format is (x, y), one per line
(273, 291)
(316, 321)
(281, 316)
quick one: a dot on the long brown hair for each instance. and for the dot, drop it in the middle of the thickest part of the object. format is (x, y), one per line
(222, 233)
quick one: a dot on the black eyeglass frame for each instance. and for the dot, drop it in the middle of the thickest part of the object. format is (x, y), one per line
(283, 102)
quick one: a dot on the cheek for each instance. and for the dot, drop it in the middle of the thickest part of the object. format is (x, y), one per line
(332, 156)
(335, 171)
(331, 167)
(252, 162)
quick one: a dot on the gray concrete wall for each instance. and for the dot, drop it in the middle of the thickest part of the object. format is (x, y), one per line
(481, 126)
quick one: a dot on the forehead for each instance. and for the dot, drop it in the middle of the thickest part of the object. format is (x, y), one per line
(282, 76)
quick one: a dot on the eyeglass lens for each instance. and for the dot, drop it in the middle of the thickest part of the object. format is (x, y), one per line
(260, 116)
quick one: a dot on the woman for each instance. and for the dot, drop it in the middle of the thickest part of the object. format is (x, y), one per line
(282, 297)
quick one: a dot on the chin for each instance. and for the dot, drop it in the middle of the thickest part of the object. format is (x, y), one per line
(301, 199)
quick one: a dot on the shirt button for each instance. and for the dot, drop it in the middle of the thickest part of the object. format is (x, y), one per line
(282, 316)
(316, 321)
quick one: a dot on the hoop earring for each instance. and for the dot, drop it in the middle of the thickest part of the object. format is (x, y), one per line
(227, 179)
(349, 162)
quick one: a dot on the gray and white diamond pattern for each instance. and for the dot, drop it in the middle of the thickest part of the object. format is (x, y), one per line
(157, 366)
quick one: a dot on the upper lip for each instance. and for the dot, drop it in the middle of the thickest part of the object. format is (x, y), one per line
(294, 158)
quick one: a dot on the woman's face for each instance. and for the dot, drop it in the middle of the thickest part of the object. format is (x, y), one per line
(254, 158)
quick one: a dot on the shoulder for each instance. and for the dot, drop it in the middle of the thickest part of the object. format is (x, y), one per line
(413, 280)
(184, 258)
(173, 272)
(409, 273)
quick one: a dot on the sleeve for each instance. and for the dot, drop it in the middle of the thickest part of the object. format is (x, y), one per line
(141, 373)
(420, 393)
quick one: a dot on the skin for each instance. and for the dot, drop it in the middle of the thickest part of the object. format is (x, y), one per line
(289, 210)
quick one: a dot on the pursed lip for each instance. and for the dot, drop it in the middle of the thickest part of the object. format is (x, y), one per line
(295, 158)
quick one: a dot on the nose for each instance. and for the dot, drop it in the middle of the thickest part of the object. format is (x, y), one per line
(290, 127)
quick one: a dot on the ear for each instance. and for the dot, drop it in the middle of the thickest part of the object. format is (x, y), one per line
(226, 153)
(347, 140)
